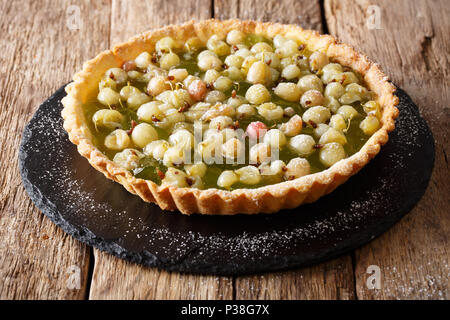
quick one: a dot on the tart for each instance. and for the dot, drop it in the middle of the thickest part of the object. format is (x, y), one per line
(227, 117)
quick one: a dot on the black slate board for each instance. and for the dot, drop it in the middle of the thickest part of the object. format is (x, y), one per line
(103, 214)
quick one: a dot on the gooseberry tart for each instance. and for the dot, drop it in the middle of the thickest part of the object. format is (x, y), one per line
(227, 117)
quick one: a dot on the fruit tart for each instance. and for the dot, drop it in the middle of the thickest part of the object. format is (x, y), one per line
(227, 117)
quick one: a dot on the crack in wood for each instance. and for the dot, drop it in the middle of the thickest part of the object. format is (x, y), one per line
(426, 50)
(323, 17)
(90, 273)
(445, 157)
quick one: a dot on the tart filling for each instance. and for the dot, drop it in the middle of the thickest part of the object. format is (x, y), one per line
(230, 117)
(238, 111)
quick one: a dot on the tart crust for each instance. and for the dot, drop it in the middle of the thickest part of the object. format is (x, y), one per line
(267, 199)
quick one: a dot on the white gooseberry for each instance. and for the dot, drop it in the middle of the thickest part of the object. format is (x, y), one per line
(302, 144)
(331, 153)
(143, 134)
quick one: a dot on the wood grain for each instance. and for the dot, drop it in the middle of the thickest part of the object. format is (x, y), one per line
(331, 280)
(412, 47)
(305, 13)
(117, 279)
(139, 16)
(36, 59)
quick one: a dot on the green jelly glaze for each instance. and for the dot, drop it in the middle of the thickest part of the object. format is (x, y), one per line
(148, 166)
(255, 38)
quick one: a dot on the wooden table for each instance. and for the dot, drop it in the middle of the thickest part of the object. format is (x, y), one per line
(41, 48)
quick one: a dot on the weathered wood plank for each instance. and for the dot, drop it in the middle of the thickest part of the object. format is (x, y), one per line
(332, 280)
(139, 16)
(117, 279)
(412, 46)
(39, 54)
(304, 13)
(329, 280)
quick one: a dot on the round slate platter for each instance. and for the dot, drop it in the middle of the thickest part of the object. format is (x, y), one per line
(103, 214)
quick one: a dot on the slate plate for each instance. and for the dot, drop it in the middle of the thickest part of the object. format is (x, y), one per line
(103, 214)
